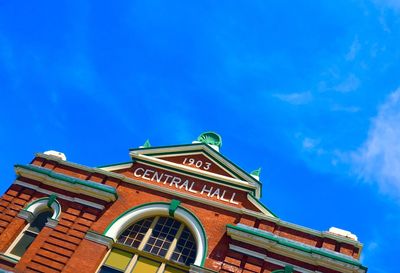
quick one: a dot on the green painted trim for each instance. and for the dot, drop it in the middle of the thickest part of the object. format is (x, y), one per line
(115, 164)
(51, 200)
(165, 203)
(71, 180)
(199, 145)
(58, 211)
(248, 189)
(295, 245)
(287, 269)
(262, 205)
(173, 207)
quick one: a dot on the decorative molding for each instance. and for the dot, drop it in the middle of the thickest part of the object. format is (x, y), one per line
(99, 238)
(51, 223)
(27, 215)
(173, 207)
(293, 249)
(201, 147)
(266, 258)
(86, 187)
(38, 205)
(60, 196)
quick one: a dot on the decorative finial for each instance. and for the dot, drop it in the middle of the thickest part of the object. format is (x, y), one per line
(256, 173)
(146, 144)
(210, 138)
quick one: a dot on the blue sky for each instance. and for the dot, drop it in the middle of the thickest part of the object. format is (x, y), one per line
(307, 90)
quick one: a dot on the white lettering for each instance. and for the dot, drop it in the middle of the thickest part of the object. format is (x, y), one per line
(146, 174)
(167, 178)
(157, 177)
(208, 191)
(175, 181)
(185, 184)
(233, 201)
(216, 192)
(191, 188)
(136, 172)
(223, 195)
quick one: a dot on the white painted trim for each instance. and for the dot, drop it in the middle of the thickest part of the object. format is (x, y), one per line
(211, 203)
(61, 196)
(76, 188)
(116, 167)
(40, 205)
(160, 210)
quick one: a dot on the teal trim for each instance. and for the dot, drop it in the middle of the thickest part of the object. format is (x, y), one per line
(262, 205)
(71, 180)
(195, 175)
(287, 269)
(203, 233)
(57, 211)
(292, 244)
(51, 200)
(173, 206)
(199, 145)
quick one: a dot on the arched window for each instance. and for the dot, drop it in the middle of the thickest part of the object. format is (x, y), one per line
(28, 234)
(158, 244)
(37, 213)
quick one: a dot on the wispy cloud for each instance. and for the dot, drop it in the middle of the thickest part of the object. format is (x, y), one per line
(295, 98)
(378, 159)
(393, 4)
(354, 49)
(351, 83)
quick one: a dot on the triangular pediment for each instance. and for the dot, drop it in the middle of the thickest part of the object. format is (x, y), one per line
(198, 158)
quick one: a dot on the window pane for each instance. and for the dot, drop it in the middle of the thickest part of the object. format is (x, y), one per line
(23, 244)
(162, 236)
(133, 235)
(170, 269)
(146, 265)
(40, 221)
(185, 250)
(105, 269)
(118, 259)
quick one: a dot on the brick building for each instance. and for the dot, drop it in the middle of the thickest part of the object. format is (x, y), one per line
(173, 209)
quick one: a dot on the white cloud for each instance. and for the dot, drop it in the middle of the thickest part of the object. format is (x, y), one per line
(295, 98)
(378, 159)
(392, 4)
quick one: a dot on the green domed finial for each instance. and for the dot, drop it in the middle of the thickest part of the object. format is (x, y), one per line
(210, 138)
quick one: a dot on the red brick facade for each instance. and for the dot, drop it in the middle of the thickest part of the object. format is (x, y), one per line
(65, 247)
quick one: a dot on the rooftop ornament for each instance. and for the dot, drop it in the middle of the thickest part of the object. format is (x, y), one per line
(211, 138)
